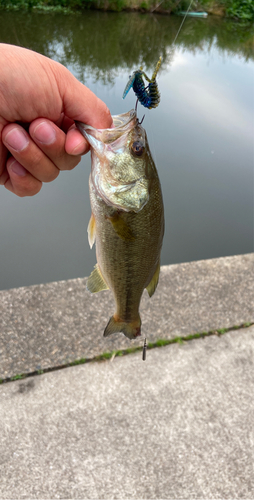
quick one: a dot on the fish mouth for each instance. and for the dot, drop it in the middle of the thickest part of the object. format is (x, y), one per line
(115, 176)
(122, 124)
(125, 120)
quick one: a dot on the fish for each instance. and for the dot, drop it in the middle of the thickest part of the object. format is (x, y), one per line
(127, 220)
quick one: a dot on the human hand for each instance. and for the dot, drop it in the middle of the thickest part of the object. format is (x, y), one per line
(39, 101)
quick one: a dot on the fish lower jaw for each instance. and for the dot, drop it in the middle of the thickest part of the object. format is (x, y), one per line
(131, 329)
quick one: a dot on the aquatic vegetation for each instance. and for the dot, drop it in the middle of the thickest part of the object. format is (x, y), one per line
(239, 9)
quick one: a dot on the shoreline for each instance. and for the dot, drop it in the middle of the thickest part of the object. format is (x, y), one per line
(225, 9)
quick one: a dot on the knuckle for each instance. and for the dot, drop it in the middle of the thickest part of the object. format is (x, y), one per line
(51, 176)
(36, 158)
(71, 163)
(40, 166)
(30, 188)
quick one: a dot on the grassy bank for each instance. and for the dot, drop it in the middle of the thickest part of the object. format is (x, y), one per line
(238, 9)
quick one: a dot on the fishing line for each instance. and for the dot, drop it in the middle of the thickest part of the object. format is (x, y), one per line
(177, 34)
(186, 13)
(154, 152)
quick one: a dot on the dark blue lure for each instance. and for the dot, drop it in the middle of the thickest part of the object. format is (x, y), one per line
(148, 96)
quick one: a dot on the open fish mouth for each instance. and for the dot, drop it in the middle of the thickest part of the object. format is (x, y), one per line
(125, 121)
(118, 162)
(122, 124)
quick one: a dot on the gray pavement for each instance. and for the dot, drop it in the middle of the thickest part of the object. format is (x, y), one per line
(45, 326)
(179, 425)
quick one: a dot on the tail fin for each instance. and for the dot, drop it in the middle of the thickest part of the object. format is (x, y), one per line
(130, 330)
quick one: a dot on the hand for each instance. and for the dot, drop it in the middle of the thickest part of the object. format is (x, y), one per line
(39, 101)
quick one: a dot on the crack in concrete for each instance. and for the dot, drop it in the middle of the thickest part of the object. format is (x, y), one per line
(123, 352)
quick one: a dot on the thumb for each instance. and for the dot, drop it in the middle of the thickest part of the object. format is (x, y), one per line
(79, 102)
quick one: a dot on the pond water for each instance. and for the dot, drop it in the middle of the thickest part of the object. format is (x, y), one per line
(201, 137)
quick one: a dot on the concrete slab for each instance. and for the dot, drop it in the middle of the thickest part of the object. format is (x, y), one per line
(179, 425)
(49, 325)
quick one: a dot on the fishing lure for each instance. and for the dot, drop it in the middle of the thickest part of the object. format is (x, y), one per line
(148, 96)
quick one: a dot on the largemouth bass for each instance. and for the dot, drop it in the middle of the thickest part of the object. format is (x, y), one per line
(127, 220)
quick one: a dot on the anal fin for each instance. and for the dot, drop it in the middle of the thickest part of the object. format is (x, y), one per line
(154, 281)
(95, 282)
(91, 231)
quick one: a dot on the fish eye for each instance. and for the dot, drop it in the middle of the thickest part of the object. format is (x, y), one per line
(137, 148)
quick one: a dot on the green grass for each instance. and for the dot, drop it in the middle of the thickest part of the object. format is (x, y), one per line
(78, 362)
(131, 350)
(18, 377)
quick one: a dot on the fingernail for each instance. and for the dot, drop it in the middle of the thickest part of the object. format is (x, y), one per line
(45, 133)
(16, 139)
(17, 169)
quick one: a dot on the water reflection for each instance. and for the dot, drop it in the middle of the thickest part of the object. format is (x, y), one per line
(105, 43)
(200, 136)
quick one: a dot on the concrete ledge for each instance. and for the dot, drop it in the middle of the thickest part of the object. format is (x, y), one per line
(49, 325)
(179, 426)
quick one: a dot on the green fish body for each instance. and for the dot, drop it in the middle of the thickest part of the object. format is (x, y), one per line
(127, 221)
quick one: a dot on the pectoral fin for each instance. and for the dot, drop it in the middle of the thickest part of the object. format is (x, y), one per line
(95, 282)
(91, 231)
(121, 228)
(154, 281)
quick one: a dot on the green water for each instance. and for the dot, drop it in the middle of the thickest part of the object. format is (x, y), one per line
(201, 137)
